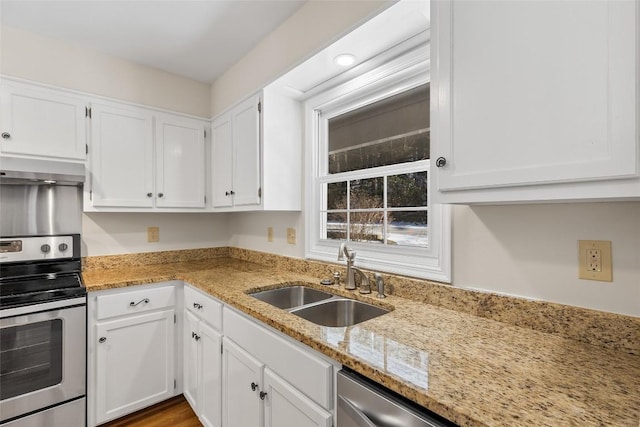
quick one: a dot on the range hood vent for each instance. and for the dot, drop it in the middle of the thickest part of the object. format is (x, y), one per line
(16, 170)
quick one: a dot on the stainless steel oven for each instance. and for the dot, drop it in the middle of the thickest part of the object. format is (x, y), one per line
(42, 297)
(43, 362)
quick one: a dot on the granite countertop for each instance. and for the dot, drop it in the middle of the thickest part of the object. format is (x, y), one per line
(471, 370)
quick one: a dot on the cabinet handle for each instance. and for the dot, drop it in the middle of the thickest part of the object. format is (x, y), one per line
(197, 306)
(254, 386)
(440, 162)
(134, 304)
(149, 194)
(263, 394)
(6, 135)
(196, 337)
(102, 339)
(160, 195)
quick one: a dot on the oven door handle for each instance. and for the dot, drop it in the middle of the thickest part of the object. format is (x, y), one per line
(134, 304)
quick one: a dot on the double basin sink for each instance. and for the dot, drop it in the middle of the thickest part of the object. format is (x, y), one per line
(319, 307)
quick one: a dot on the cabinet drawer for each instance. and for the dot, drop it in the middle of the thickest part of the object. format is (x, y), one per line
(291, 361)
(203, 306)
(131, 302)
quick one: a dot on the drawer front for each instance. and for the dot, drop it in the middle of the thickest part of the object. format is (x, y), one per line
(297, 365)
(203, 306)
(132, 302)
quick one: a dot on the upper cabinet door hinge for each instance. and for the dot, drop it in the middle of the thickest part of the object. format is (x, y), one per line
(86, 148)
(205, 133)
(87, 112)
(260, 192)
(175, 384)
(174, 319)
(90, 194)
(259, 107)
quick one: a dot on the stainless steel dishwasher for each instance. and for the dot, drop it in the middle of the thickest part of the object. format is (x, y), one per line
(362, 403)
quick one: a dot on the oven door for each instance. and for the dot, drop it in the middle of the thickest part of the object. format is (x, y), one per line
(42, 361)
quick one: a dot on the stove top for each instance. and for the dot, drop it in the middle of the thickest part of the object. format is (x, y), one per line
(39, 269)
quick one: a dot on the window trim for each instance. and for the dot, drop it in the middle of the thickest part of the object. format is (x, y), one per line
(396, 76)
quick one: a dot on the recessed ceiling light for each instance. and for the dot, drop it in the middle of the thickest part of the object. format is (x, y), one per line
(344, 59)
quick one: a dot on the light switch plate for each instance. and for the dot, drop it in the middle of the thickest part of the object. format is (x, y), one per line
(595, 260)
(269, 234)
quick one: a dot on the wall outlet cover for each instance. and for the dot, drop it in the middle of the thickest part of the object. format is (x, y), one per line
(291, 236)
(269, 234)
(594, 260)
(153, 234)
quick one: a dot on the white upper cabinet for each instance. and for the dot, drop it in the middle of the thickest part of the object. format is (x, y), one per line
(140, 159)
(180, 159)
(121, 156)
(257, 154)
(535, 100)
(42, 122)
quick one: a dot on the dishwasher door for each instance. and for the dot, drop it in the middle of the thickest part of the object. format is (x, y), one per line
(363, 404)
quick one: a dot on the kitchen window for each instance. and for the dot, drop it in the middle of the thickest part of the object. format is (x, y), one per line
(370, 173)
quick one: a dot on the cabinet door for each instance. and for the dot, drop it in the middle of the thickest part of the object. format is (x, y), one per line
(246, 153)
(42, 122)
(210, 391)
(534, 92)
(222, 161)
(287, 407)
(241, 386)
(191, 360)
(121, 156)
(135, 363)
(180, 160)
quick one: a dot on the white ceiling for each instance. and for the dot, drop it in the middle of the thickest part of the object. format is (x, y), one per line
(195, 39)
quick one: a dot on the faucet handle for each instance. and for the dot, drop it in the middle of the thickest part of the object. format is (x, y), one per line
(380, 285)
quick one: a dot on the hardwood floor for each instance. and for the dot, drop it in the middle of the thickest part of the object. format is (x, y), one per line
(174, 412)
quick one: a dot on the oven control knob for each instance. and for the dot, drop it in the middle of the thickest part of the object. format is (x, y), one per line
(45, 248)
(63, 247)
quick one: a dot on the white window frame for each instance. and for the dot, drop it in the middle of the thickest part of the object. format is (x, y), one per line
(394, 77)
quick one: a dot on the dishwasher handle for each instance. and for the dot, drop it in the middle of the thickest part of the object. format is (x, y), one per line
(356, 414)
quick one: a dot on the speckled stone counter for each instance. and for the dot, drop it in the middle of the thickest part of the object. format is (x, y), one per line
(472, 370)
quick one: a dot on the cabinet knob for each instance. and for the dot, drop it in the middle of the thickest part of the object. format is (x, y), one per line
(440, 162)
(149, 194)
(160, 194)
(254, 386)
(232, 192)
(6, 135)
(102, 339)
(263, 394)
(226, 193)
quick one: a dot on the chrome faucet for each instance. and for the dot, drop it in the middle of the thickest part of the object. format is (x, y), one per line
(365, 286)
(344, 251)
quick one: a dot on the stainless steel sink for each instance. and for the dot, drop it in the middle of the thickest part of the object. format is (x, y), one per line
(292, 296)
(339, 312)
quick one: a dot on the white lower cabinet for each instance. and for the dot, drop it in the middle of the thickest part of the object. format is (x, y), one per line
(241, 381)
(131, 351)
(286, 407)
(202, 357)
(268, 381)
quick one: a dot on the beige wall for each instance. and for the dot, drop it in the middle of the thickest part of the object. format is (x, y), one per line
(119, 233)
(33, 57)
(314, 26)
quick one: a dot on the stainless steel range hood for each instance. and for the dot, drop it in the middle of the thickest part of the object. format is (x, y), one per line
(14, 170)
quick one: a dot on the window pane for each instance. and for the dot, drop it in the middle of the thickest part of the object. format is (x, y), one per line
(407, 190)
(336, 225)
(367, 193)
(408, 229)
(391, 131)
(337, 195)
(366, 226)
